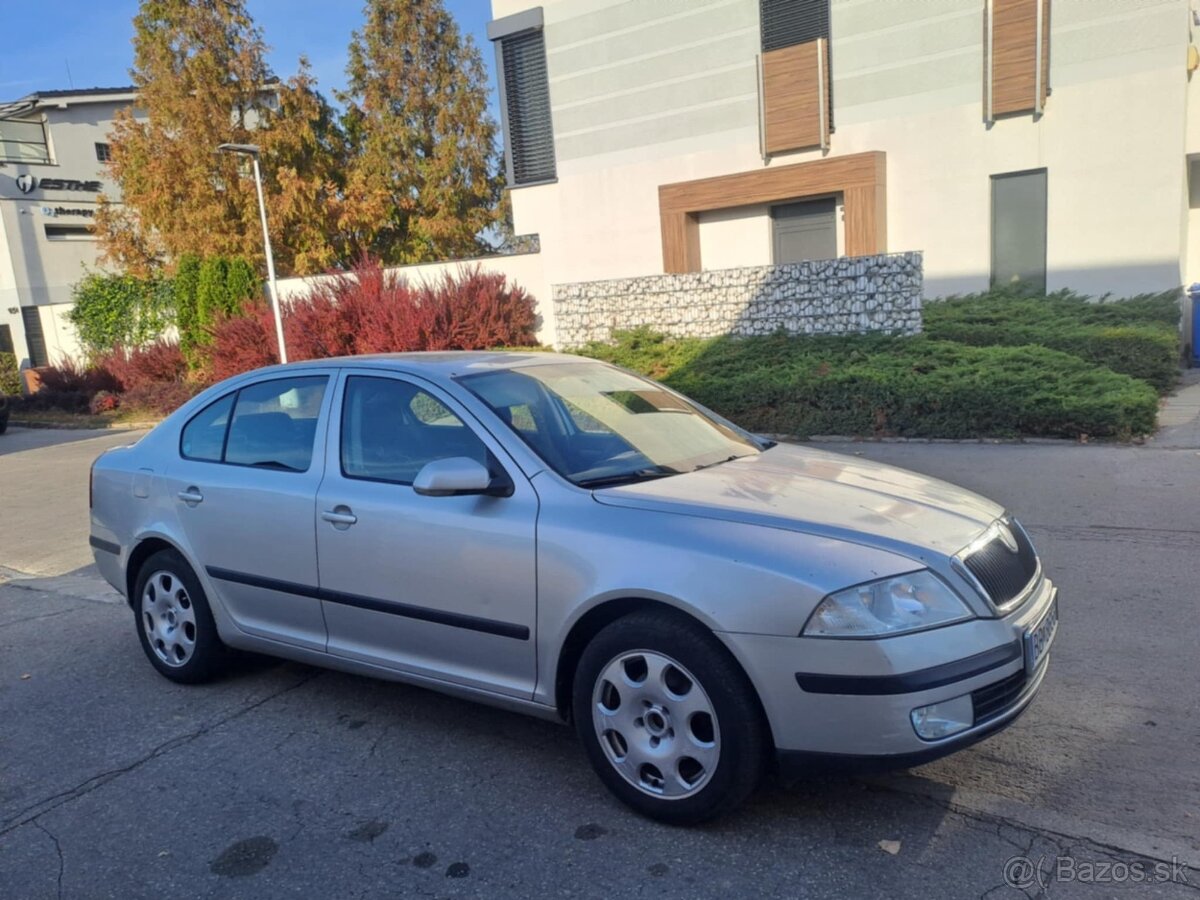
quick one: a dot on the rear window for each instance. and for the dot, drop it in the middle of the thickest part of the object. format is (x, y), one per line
(269, 425)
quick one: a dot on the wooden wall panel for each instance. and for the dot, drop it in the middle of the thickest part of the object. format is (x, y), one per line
(861, 178)
(796, 96)
(1045, 85)
(1014, 61)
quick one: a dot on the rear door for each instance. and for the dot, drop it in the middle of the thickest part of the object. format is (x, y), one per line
(244, 488)
(443, 587)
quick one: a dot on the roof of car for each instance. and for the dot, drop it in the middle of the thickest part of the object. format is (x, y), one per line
(444, 363)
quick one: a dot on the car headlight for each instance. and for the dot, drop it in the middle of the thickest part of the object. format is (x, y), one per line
(886, 607)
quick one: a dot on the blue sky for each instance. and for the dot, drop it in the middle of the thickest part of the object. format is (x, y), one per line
(92, 38)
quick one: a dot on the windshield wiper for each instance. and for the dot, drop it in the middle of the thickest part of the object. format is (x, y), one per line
(625, 478)
(720, 461)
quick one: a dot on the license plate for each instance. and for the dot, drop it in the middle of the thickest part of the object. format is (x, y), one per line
(1039, 638)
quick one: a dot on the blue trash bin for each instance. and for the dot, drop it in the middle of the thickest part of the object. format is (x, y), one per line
(1194, 298)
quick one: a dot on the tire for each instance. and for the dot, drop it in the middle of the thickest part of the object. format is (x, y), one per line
(3, 422)
(668, 719)
(174, 622)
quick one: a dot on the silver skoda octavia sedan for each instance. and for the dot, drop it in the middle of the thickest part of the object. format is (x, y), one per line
(560, 537)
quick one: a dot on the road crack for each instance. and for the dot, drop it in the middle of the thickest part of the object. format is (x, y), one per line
(31, 813)
(57, 850)
(50, 615)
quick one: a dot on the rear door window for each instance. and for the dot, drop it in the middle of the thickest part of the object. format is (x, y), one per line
(275, 424)
(270, 425)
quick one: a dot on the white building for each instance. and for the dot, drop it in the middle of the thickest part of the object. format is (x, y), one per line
(1046, 140)
(1052, 141)
(53, 145)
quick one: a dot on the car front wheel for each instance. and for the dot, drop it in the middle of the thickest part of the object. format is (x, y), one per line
(670, 722)
(174, 622)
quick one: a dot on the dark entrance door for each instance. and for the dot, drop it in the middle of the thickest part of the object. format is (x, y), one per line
(805, 230)
(35, 339)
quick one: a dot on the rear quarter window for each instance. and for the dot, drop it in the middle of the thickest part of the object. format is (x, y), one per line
(203, 436)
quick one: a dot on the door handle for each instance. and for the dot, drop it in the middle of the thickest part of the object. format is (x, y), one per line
(340, 516)
(191, 496)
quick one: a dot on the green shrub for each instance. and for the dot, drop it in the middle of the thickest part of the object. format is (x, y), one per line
(880, 386)
(212, 294)
(10, 376)
(187, 317)
(207, 291)
(1138, 337)
(241, 285)
(113, 311)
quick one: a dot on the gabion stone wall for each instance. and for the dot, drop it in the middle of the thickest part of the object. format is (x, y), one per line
(830, 296)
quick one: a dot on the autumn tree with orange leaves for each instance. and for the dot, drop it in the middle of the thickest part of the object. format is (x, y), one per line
(408, 173)
(423, 178)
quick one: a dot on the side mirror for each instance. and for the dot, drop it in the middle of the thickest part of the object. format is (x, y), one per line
(456, 476)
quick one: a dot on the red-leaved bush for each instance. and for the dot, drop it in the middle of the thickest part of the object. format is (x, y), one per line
(161, 361)
(103, 401)
(158, 398)
(72, 377)
(371, 310)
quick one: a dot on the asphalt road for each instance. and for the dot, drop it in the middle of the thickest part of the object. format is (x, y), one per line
(286, 781)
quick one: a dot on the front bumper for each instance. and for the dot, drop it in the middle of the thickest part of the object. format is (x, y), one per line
(847, 704)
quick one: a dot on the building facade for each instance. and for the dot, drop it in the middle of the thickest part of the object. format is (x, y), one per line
(1045, 142)
(53, 146)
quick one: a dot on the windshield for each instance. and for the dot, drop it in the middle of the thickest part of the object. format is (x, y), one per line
(599, 426)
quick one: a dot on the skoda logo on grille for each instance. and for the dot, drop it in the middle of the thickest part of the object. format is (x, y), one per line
(1006, 535)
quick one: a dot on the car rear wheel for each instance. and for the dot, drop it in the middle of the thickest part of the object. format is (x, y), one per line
(174, 621)
(670, 722)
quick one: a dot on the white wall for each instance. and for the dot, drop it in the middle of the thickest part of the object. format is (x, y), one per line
(736, 237)
(61, 339)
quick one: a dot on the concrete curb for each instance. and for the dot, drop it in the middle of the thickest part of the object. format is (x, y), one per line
(858, 439)
(72, 426)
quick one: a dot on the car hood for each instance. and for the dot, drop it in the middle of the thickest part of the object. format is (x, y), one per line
(817, 492)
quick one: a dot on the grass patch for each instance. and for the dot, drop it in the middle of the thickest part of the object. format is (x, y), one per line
(875, 385)
(1138, 337)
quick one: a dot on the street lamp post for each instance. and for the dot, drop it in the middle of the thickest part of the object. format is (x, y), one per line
(252, 150)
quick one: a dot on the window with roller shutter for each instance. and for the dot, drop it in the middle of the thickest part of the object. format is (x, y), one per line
(525, 89)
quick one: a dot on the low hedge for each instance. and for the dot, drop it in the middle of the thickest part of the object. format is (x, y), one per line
(889, 386)
(10, 376)
(1138, 337)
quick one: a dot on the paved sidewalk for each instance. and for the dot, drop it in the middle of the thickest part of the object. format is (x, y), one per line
(1179, 418)
(44, 498)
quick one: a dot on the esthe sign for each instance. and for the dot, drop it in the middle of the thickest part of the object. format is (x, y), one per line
(26, 184)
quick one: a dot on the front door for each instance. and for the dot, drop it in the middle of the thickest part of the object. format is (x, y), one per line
(244, 487)
(805, 230)
(442, 587)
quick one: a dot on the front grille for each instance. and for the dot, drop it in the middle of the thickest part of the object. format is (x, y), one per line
(1004, 573)
(994, 699)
